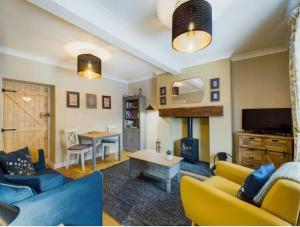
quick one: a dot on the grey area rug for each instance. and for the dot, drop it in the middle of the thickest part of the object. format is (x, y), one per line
(201, 168)
(141, 201)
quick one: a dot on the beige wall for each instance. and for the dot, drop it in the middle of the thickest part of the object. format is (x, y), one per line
(261, 82)
(66, 80)
(213, 138)
(220, 130)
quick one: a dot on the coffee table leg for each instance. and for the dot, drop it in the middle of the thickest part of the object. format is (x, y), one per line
(130, 167)
(178, 176)
(179, 173)
(168, 182)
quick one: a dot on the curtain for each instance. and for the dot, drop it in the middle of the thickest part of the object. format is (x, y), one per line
(294, 68)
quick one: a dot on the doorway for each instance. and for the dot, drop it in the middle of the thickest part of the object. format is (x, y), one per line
(25, 116)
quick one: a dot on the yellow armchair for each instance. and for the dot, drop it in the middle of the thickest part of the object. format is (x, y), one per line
(213, 201)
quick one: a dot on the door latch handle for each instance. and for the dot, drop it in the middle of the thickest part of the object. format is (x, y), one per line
(8, 129)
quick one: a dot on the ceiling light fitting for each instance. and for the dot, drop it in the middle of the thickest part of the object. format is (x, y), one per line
(192, 26)
(88, 66)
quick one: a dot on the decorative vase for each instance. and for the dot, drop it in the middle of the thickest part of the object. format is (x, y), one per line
(169, 157)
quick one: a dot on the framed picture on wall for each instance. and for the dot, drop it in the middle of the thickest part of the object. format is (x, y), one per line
(106, 102)
(163, 91)
(163, 101)
(215, 96)
(214, 83)
(91, 101)
(73, 99)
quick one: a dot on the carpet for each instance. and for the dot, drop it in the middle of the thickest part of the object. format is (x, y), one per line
(141, 201)
(201, 168)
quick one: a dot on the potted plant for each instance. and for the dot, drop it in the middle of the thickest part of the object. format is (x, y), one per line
(169, 155)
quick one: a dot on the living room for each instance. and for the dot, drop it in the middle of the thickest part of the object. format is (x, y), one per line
(166, 112)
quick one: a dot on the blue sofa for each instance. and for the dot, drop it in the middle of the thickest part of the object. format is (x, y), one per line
(76, 202)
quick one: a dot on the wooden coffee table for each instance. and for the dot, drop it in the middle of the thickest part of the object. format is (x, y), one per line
(155, 164)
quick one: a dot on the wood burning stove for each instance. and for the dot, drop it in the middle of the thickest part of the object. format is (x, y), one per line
(189, 145)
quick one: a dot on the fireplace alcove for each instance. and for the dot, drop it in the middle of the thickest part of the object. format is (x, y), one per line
(192, 144)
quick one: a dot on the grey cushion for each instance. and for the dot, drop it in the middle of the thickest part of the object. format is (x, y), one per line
(79, 147)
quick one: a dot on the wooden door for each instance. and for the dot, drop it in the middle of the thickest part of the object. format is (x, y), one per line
(25, 120)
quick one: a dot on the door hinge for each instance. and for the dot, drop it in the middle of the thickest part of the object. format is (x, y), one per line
(6, 90)
(8, 130)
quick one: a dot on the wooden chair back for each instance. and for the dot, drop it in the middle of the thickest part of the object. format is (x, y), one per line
(71, 137)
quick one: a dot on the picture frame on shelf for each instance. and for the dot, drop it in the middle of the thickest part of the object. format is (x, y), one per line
(91, 101)
(215, 96)
(106, 102)
(163, 101)
(73, 99)
(214, 83)
(163, 91)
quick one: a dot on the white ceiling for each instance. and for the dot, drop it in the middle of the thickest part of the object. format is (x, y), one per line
(130, 29)
(31, 32)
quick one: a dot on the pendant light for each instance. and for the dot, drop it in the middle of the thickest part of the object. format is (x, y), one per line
(192, 26)
(88, 66)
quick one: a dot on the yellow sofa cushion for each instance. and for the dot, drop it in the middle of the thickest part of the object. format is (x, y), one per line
(224, 185)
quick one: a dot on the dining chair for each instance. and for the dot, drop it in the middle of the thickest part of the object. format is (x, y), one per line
(106, 143)
(73, 147)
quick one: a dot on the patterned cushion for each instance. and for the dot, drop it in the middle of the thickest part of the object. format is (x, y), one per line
(17, 163)
(79, 147)
(255, 181)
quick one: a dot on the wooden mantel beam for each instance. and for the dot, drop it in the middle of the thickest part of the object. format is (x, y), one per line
(203, 111)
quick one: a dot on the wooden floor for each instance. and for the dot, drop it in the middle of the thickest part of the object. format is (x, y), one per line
(75, 172)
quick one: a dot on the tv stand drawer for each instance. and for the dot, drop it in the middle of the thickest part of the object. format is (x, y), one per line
(253, 154)
(251, 141)
(278, 145)
(250, 163)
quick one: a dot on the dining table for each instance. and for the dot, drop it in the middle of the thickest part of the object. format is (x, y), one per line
(95, 136)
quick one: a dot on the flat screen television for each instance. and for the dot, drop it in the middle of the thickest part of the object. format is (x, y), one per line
(277, 120)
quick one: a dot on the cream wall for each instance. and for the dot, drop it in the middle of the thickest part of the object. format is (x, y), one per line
(66, 80)
(261, 82)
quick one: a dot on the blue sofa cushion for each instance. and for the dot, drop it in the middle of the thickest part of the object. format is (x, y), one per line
(10, 193)
(17, 163)
(52, 171)
(40, 183)
(255, 181)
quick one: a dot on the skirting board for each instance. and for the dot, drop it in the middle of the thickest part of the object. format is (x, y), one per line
(72, 161)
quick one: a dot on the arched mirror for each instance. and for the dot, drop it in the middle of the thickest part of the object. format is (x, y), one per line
(188, 91)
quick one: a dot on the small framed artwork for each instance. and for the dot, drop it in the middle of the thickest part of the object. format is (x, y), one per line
(106, 102)
(163, 91)
(91, 101)
(163, 101)
(73, 99)
(215, 96)
(214, 83)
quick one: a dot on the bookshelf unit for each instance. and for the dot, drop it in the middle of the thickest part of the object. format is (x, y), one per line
(133, 123)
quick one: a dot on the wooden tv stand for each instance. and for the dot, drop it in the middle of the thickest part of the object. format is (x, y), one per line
(256, 149)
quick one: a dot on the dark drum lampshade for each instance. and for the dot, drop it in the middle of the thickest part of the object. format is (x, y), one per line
(88, 66)
(175, 91)
(192, 26)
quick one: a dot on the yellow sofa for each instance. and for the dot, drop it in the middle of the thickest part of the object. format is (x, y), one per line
(214, 201)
